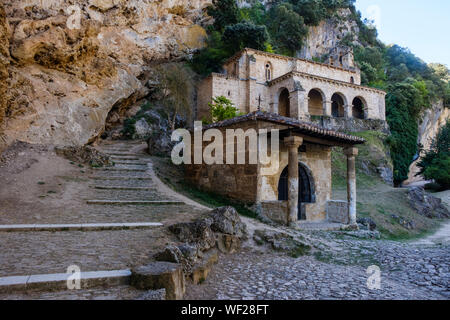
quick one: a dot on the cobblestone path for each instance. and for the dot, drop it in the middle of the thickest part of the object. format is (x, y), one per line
(407, 271)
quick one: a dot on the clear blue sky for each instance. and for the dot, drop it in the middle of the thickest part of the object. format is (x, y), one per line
(420, 25)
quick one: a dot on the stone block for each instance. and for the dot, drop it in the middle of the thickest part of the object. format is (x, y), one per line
(201, 270)
(337, 211)
(158, 275)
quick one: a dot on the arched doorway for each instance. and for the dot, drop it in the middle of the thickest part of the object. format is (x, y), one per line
(315, 102)
(283, 103)
(358, 108)
(306, 192)
(337, 106)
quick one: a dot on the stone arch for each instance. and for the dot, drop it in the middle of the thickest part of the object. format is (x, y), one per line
(306, 187)
(359, 108)
(316, 98)
(338, 103)
(268, 71)
(283, 102)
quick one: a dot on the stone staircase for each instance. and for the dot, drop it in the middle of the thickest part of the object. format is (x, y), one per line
(125, 209)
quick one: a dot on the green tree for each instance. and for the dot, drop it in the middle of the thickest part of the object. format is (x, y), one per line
(224, 12)
(312, 11)
(435, 163)
(176, 86)
(245, 34)
(211, 58)
(287, 28)
(222, 109)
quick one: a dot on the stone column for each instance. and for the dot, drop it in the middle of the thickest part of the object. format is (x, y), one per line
(327, 108)
(351, 153)
(293, 143)
(348, 111)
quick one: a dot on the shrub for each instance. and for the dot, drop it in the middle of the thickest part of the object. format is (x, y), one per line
(222, 109)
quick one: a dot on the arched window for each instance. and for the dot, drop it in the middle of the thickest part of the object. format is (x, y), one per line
(352, 80)
(268, 71)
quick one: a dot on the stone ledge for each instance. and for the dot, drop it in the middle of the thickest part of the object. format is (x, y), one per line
(80, 227)
(120, 169)
(134, 202)
(123, 188)
(126, 178)
(58, 281)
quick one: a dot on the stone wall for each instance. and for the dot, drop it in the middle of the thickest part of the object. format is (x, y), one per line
(237, 181)
(351, 125)
(275, 210)
(337, 211)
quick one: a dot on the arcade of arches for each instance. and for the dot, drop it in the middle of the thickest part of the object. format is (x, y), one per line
(317, 105)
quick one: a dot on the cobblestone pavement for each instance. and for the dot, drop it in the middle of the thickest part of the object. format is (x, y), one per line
(407, 272)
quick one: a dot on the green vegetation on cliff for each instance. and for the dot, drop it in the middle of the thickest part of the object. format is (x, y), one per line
(435, 163)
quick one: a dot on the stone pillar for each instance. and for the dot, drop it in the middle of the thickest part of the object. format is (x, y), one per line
(293, 143)
(348, 111)
(351, 153)
(327, 108)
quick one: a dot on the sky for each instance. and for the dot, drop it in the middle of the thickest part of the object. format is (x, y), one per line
(420, 25)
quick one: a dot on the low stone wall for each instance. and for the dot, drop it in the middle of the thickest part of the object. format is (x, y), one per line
(275, 210)
(351, 124)
(337, 211)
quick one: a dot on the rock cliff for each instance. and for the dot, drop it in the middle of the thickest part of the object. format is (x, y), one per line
(431, 120)
(64, 65)
(329, 34)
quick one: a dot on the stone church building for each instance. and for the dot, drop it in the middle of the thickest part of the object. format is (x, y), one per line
(292, 87)
(282, 93)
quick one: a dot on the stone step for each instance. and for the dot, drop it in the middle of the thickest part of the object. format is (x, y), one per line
(58, 281)
(124, 154)
(124, 158)
(158, 275)
(124, 188)
(134, 202)
(124, 195)
(131, 163)
(78, 227)
(119, 178)
(120, 169)
(125, 174)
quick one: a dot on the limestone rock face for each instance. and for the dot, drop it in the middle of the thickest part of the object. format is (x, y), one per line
(328, 35)
(4, 62)
(430, 121)
(75, 61)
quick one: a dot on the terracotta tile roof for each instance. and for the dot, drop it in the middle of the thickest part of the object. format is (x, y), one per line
(303, 127)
